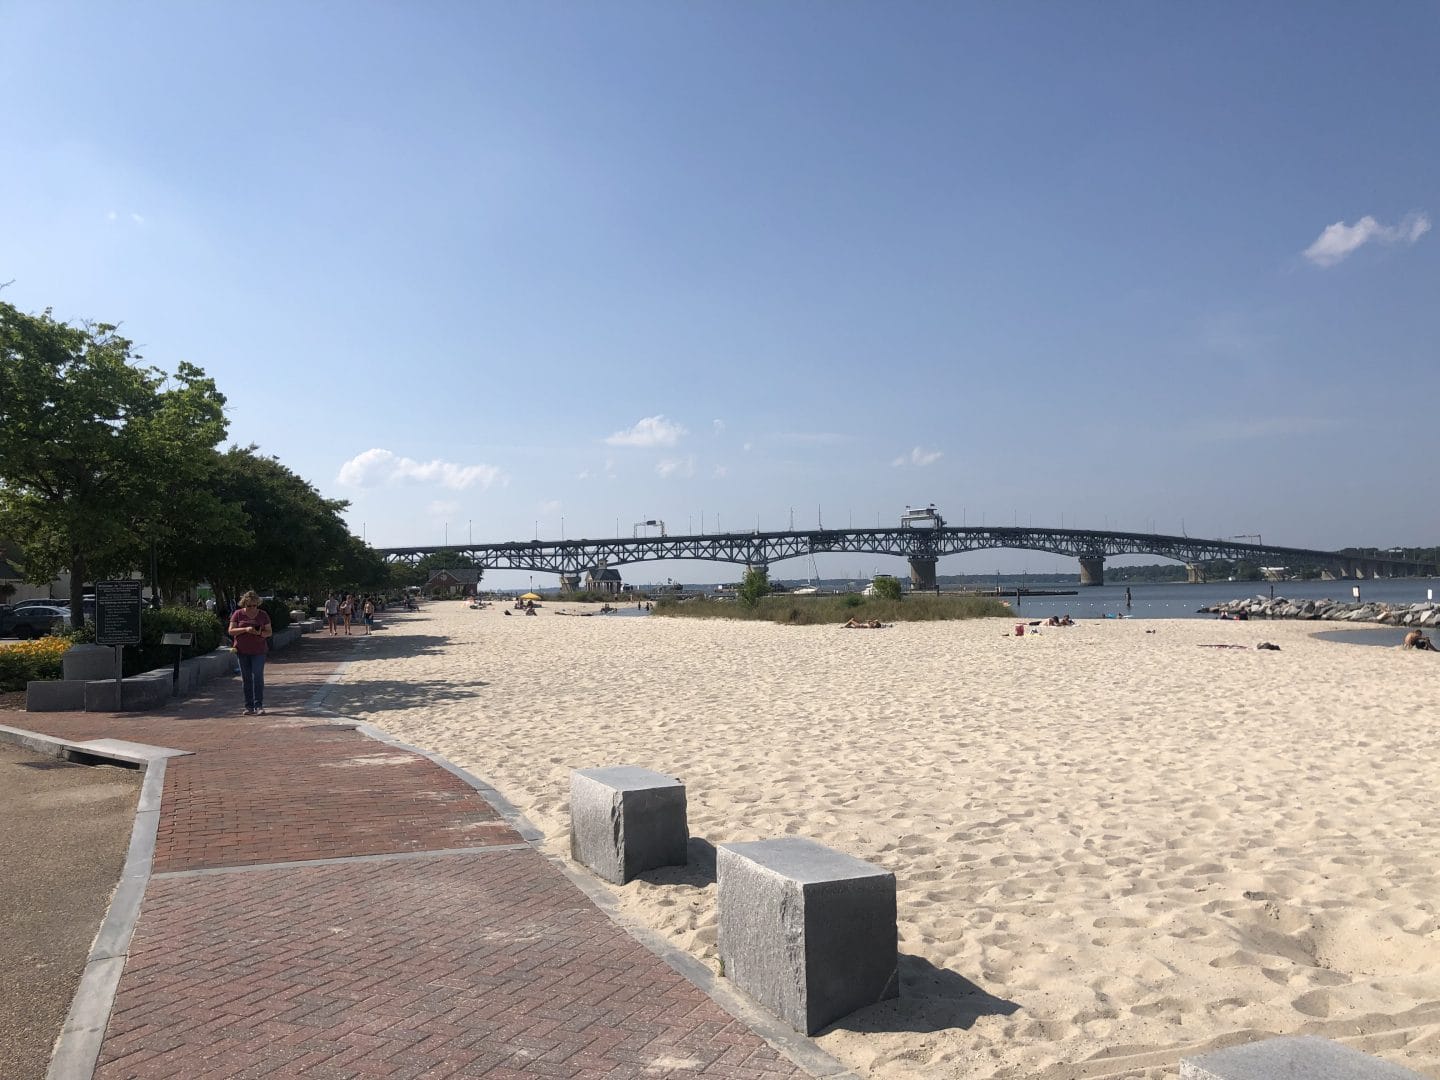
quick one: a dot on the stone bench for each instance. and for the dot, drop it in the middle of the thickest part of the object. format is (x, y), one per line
(1298, 1056)
(806, 931)
(625, 820)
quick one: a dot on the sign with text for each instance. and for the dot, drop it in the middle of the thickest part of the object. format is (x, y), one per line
(117, 613)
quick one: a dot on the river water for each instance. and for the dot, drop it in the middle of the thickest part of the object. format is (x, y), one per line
(1181, 601)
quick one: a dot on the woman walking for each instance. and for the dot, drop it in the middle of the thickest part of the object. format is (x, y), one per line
(369, 612)
(347, 610)
(250, 630)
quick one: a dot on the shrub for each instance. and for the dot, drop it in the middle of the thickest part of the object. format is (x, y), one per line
(154, 624)
(31, 660)
(886, 588)
(753, 586)
(853, 600)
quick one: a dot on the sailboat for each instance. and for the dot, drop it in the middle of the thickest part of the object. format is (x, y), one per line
(809, 588)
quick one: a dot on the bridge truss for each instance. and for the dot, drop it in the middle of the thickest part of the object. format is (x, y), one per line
(571, 558)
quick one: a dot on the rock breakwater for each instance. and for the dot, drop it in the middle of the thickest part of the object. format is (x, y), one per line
(1424, 613)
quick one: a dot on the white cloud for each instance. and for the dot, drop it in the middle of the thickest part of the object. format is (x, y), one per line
(583, 475)
(676, 467)
(1339, 240)
(718, 425)
(378, 467)
(550, 506)
(111, 216)
(721, 472)
(137, 219)
(651, 431)
(919, 457)
(442, 509)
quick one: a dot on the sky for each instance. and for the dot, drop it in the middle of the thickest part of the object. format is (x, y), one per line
(500, 271)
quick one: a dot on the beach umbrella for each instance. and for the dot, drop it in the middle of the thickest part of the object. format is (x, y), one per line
(530, 596)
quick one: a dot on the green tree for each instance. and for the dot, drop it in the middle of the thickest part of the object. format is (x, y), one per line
(285, 535)
(754, 585)
(97, 453)
(886, 588)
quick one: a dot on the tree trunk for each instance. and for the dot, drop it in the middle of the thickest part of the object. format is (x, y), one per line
(77, 588)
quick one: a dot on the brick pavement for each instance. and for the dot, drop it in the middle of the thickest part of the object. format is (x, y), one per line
(434, 943)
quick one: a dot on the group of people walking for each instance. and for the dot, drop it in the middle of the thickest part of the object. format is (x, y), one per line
(343, 611)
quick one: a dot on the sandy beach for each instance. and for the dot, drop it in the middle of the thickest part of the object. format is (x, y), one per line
(1114, 845)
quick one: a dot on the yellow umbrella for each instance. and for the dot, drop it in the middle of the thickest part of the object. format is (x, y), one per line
(530, 596)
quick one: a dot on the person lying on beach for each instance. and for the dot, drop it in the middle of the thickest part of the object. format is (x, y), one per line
(1415, 639)
(861, 624)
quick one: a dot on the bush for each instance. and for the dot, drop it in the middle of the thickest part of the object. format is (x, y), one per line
(886, 588)
(753, 586)
(31, 660)
(154, 624)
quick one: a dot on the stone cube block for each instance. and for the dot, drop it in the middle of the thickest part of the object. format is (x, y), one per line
(806, 931)
(86, 662)
(1293, 1055)
(625, 820)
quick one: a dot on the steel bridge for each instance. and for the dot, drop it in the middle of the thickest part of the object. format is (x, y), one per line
(921, 547)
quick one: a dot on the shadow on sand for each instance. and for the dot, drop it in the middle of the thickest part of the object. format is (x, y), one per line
(931, 999)
(697, 873)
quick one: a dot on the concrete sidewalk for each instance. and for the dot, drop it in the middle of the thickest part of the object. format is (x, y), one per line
(320, 903)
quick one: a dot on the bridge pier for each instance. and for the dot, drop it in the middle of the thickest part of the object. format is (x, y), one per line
(1092, 569)
(1195, 573)
(922, 573)
(569, 582)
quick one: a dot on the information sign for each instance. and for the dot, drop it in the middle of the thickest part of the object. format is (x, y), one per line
(117, 613)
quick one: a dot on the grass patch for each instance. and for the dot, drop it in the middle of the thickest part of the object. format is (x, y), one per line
(834, 610)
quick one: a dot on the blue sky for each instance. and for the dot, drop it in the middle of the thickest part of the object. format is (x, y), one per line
(493, 270)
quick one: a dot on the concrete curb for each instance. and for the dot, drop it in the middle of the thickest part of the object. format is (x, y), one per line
(78, 1048)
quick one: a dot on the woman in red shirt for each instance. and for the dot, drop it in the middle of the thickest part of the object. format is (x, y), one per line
(250, 630)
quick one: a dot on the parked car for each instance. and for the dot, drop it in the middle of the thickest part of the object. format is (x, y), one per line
(33, 621)
(37, 602)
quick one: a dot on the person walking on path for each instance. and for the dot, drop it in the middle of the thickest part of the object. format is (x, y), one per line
(347, 610)
(369, 612)
(250, 630)
(332, 612)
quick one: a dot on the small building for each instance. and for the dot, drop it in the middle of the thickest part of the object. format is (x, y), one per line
(459, 581)
(603, 579)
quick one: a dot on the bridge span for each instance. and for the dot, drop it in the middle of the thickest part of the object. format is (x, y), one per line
(921, 547)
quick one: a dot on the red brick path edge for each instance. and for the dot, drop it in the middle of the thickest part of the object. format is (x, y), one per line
(322, 904)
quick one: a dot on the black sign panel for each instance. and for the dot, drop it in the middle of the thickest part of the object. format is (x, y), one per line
(117, 612)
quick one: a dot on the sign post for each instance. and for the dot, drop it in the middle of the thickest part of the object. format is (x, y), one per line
(117, 623)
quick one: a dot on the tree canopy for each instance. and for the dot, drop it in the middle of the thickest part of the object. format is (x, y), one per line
(96, 451)
(108, 467)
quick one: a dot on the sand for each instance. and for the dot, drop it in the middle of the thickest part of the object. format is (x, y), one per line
(1114, 847)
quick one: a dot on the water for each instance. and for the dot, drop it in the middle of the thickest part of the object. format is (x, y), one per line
(1181, 601)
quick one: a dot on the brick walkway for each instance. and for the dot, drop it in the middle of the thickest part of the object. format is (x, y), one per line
(323, 905)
